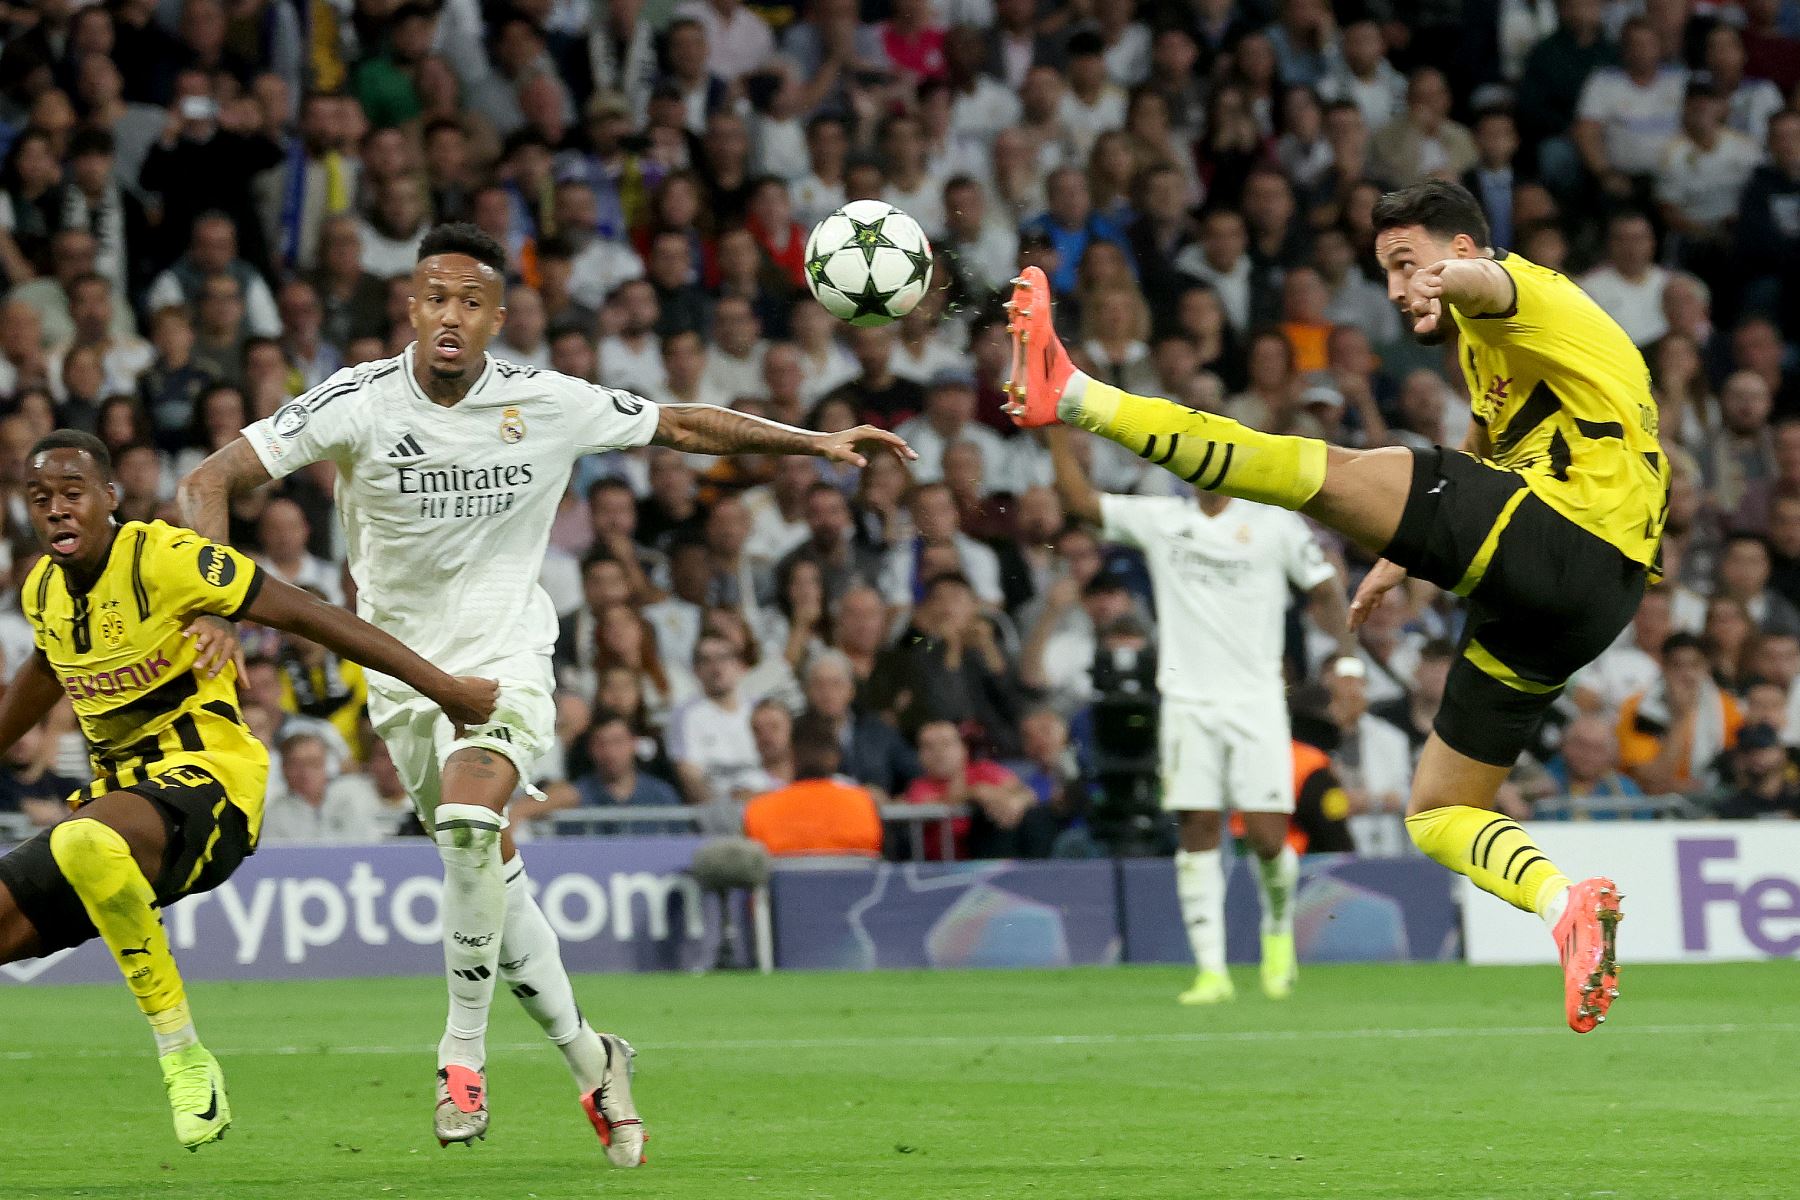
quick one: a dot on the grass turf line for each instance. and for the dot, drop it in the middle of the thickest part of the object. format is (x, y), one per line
(1073, 1084)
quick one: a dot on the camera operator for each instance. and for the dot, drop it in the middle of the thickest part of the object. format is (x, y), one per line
(1221, 572)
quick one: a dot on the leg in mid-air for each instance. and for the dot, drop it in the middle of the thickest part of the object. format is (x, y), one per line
(1391, 502)
(93, 874)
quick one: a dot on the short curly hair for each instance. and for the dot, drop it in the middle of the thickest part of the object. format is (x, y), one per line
(460, 237)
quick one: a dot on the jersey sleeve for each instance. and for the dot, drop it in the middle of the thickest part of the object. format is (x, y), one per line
(324, 423)
(1302, 559)
(189, 575)
(1129, 519)
(602, 418)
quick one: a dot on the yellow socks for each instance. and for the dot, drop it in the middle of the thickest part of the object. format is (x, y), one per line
(1491, 850)
(1213, 453)
(97, 862)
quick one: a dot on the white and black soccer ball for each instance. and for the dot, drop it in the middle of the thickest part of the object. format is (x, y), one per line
(868, 263)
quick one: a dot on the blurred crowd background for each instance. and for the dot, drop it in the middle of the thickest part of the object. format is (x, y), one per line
(208, 206)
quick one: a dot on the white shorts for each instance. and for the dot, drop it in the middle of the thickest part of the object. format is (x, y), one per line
(1214, 757)
(421, 738)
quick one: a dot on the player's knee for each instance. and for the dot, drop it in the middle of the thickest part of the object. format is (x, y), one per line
(1200, 830)
(88, 853)
(468, 834)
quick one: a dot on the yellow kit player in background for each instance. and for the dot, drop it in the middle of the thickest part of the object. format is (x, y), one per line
(1547, 521)
(177, 799)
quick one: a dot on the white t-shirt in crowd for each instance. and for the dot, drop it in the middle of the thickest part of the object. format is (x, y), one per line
(718, 741)
(447, 511)
(1637, 307)
(1221, 589)
(1635, 122)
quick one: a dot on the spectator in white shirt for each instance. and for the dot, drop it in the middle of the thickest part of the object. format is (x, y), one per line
(1749, 102)
(599, 265)
(521, 339)
(390, 238)
(821, 191)
(1629, 285)
(1631, 664)
(631, 357)
(1093, 103)
(1365, 77)
(283, 531)
(1373, 761)
(1703, 173)
(1628, 114)
(734, 364)
(1126, 41)
(980, 105)
(939, 535)
(949, 417)
(708, 736)
(738, 41)
(308, 805)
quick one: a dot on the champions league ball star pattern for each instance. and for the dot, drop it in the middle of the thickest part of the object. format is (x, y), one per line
(868, 263)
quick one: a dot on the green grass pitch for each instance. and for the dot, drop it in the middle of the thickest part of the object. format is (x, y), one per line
(1415, 1082)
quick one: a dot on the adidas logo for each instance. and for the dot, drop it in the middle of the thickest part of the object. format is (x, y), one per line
(407, 447)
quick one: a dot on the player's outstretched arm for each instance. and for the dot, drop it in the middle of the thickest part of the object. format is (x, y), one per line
(204, 497)
(1079, 499)
(1475, 286)
(465, 700)
(1331, 612)
(708, 429)
(29, 698)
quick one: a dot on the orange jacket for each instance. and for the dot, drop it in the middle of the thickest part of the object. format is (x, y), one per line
(816, 816)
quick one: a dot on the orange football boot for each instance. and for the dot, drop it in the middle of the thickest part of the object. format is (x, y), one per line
(1587, 936)
(1040, 366)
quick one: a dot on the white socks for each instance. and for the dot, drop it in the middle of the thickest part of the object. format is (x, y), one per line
(468, 840)
(1276, 879)
(173, 1029)
(1200, 886)
(531, 966)
(1554, 908)
(1068, 405)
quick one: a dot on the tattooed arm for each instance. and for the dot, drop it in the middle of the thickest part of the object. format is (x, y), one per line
(708, 429)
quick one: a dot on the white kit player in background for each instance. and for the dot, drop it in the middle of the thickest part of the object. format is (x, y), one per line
(451, 464)
(1220, 573)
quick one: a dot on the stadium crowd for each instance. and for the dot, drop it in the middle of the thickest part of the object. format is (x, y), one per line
(208, 206)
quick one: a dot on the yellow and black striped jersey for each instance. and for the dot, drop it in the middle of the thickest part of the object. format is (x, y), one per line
(1565, 398)
(118, 650)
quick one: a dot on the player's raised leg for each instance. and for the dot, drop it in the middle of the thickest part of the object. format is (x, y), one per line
(531, 966)
(477, 783)
(1360, 493)
(109, 854)
(1364, 495)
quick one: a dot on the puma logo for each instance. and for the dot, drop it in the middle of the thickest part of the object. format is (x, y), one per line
(127, 952)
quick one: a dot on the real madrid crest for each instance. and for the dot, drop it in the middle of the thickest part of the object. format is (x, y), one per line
(1243, 535)
(512, 426)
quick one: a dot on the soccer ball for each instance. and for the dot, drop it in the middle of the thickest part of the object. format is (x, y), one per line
(868, 263)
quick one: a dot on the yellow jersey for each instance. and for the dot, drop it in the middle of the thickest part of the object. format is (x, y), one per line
(1565, 398)
(118, 650)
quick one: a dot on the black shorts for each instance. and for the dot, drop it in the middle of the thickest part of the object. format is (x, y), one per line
(1546, 597)
(208, 837)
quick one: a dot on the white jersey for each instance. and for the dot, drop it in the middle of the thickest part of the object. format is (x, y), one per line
(446, 511)
(1221, 589)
